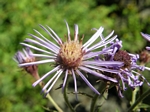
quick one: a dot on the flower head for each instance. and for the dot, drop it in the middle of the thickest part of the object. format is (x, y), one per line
(127, 74)
(26, 57)
(72, 57)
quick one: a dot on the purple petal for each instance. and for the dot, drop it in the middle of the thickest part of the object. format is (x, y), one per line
(104, 63)
(44, 56)
(37, 62)
(57, 39)
(49, 44)
(148, 48)
(76, 32)
(43, 45)
(64, 83)
(98, 74)
(93, 38)
(101, 44)
(46, 75)
(146, 36)
(123, 84)
(36, 48)
(147, 68)
(141, 77)
(19, 57)
(26, 53)
(60, 72)
(103, 69)
(107, 50)
(46, 39)
(87, 82)
(68, 30)
(50, 81)
(75, 83)
(102, 38)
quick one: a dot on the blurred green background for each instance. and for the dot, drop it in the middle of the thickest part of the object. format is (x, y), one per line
(19, 17)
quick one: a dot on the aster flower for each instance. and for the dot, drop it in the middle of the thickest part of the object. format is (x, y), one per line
(71, 57)
(26, 57)
(127, 74)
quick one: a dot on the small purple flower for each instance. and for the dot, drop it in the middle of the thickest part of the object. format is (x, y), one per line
(26, 57)
(72, 57)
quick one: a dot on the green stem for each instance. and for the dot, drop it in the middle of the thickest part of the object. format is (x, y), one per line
(54, 103)
(66, 97)
(93, 103)
(143, 96)
(94, 100)
(48, 96)
(134, 96)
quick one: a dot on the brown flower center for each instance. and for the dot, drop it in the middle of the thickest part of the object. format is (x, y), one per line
(124, 57)
(70, 55)
(31, 69)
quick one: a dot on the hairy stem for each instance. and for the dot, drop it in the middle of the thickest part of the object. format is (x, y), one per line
(66, 97)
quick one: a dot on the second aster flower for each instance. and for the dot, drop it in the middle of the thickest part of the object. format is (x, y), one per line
(128, 74)
(71, 57)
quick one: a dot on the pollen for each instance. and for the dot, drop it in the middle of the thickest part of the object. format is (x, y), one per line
(70, 55)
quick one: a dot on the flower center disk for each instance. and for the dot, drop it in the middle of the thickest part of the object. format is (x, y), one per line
(70, 55)
(124, 57)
